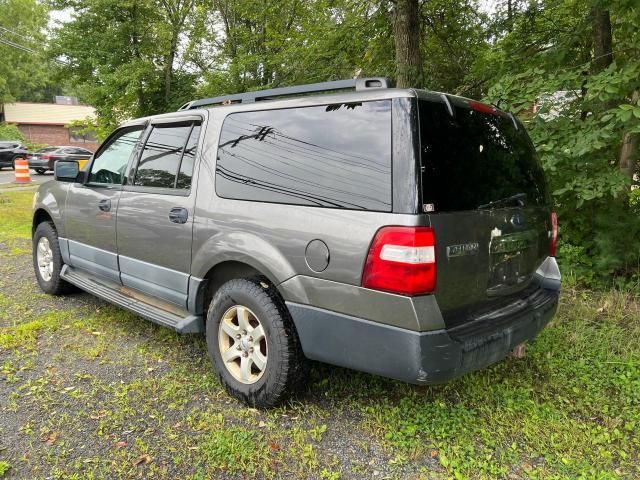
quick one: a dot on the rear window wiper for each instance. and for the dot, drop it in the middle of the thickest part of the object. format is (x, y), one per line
(518, 196)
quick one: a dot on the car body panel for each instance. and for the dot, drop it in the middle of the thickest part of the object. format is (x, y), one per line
(91, 230)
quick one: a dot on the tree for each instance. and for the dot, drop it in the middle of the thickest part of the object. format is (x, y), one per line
(121, 55)
(23, 68)
(406, 30)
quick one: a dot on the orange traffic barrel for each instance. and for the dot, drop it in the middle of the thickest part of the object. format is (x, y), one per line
(22, 171)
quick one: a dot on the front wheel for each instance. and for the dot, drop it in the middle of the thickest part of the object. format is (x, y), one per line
(47, 260)
(253, 343)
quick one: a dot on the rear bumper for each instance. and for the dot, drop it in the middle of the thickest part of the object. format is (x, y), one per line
(415, 357)
(427, 357)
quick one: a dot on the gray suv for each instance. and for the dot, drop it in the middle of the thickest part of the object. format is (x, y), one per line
(400, 232)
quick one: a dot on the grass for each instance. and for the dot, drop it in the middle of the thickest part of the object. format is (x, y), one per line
(90, 391)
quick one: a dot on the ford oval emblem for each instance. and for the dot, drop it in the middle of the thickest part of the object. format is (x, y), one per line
(517, 220)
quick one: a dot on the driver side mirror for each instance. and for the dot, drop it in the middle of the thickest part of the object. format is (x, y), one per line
(68, 171)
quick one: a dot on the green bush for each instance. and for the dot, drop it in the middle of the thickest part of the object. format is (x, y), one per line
(10, 132)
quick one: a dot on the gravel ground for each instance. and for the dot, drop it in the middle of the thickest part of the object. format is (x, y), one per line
(60, 388)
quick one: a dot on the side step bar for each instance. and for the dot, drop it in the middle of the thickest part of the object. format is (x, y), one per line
(112, 293)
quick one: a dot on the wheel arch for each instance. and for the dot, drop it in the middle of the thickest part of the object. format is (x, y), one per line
(222, 272)
(41, 215)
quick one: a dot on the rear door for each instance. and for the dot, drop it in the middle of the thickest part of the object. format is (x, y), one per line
(155, 212)
(486, 192)
(90, 209)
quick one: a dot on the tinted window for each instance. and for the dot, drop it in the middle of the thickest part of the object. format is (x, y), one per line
(331, 156)
(161, 156)
(186, 165)
(111, 162)
(474, 158)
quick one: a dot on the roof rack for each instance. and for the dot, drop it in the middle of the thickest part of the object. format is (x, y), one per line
(357, 83)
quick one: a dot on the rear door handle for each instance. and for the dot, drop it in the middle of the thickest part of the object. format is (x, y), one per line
(178, 215)
(105, 204)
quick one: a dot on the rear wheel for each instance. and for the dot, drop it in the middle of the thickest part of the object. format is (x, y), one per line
(40, 171)
(253, 343)
(47, 260)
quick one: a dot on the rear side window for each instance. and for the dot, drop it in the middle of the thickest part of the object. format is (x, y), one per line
(474, 158)
(167, 149)
(335, 156)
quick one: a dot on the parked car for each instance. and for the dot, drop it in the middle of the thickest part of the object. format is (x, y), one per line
(400, 232)
(45, 158)
(10, 151)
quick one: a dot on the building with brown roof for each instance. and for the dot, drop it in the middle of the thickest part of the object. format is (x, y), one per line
(47, 123)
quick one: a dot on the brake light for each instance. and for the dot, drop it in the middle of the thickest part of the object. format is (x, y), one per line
(402, 260)
(45, 157)
(554, 234)
(483, 108)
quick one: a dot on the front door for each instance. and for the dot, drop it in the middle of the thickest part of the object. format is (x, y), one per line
(155, 213)
(90, 209)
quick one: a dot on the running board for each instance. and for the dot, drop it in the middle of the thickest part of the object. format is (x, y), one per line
(181, 321)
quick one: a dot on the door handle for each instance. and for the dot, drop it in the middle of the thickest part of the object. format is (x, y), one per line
(178, 215)
(105, 204)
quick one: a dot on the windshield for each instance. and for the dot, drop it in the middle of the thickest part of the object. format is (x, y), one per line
(476, 159)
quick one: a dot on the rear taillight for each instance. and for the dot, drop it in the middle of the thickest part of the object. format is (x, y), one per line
(45, 157)
(483, 108)
(402, 260)
(554, 234)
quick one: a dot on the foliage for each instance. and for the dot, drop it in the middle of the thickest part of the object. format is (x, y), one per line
(578, 134)
(10, 132)
(123, 72)
(23, 73)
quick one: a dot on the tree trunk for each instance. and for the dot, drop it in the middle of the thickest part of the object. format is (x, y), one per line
(406, 29)
(628, 161)
(168, 73)
(135, 40)
(602, 39)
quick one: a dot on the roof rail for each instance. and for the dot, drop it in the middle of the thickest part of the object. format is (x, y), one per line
(357, 83)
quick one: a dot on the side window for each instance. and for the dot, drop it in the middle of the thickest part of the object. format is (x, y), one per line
(336, 156)
(109, 165)
(186, 165)
(160, 159)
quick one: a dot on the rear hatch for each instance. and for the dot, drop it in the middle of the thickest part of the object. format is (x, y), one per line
(486, 196)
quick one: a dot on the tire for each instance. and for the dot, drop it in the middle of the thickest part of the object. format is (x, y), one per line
(13, 164)
(286, 368)
(40, 171)
(53, 285)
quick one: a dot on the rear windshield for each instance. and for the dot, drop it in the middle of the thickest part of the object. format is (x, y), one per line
(474, 158)
(47, 149)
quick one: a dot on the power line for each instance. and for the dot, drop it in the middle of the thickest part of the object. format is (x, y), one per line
(15, 33)
(22, 48)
